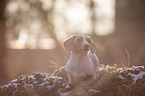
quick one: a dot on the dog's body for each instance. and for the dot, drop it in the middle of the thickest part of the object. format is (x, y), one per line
(83, 60)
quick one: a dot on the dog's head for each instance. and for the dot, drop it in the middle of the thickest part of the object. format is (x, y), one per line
(80, 44)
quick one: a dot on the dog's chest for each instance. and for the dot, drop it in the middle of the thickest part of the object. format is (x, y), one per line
(83, 67)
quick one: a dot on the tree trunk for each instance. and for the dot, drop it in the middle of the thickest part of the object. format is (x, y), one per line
(2, 42)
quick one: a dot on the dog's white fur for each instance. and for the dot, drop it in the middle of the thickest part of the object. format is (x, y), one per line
(83, 60)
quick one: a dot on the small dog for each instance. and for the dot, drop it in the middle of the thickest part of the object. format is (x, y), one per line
(83, 61)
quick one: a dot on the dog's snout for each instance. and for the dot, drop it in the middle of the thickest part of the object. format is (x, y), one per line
(86, 46)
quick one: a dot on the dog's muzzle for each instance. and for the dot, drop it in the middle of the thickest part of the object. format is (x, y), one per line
(85, 47)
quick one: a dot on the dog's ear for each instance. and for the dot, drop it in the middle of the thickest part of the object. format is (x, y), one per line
(92, 47)
(68, 44)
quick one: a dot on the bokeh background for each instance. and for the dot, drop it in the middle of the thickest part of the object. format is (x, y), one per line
(32, 33)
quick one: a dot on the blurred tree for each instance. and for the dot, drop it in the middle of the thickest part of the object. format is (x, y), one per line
(93, 17)
(2, 42)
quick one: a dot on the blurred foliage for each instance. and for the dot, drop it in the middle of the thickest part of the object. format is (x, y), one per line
(43, 24)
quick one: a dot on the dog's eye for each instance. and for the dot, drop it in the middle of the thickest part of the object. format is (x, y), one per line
(79, 39)
(88, 40)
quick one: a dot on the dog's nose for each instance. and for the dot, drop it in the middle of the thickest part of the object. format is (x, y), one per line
(86, 46)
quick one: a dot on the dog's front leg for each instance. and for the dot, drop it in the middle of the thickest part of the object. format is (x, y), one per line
(70, 78)
(94, 76)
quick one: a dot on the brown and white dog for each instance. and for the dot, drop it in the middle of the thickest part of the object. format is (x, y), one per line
(83, 61)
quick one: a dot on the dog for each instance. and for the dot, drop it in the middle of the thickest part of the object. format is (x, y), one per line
(83, 61)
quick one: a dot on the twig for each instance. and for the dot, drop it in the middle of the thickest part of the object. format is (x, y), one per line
(128, 56)
(53, 64)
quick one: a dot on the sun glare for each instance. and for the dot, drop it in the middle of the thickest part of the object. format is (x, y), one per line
(12, 7)
(77, 16)
(105, 17)
(68, 17)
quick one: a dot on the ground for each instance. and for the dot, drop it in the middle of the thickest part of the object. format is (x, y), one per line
(112, 81)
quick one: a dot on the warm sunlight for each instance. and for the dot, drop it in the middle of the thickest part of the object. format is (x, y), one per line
(72, 48)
